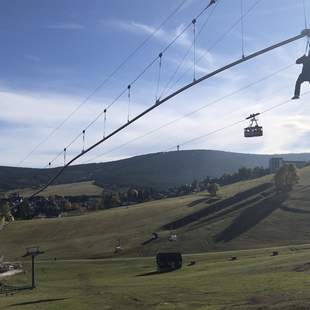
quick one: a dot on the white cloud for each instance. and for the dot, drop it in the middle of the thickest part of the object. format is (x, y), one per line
(35, 116)
(65, 26)
(32, 58)
(32, 116)
(164, 36)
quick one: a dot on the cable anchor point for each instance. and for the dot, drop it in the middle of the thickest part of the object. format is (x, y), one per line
(306, 32)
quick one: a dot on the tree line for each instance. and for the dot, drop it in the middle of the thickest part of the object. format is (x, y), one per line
(53, 206)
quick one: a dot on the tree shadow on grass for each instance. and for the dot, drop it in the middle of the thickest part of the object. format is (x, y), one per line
(39, 301)
(216, 207)
(154, 273)
(294, 210)
(226, 211)
(251, 217)
(196, 202)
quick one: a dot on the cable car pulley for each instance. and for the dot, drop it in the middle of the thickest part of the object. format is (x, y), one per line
(254, 130)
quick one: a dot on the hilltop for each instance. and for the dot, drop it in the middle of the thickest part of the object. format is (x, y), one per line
(245, 215)
(159, 170)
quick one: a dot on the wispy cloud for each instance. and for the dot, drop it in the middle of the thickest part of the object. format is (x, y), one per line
(32, 58)
(28, 118)
(65, 26)
(33, 116)
(141, 28)
(167, 36)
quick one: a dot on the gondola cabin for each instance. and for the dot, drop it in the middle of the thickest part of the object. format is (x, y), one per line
(254, 130)
(168, 261)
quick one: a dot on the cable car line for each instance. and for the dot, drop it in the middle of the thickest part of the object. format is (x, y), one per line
(65, 156)
(232, 124)
(129, 102)
(218, 41)
(216, 101)
(306, 25)
(208, 134)
(160, 56)
(70, 144)
(194, 42)
(188, 50)
(242, 26)
(226, 127)
(187, 27)
(254, 130)
(305, 13)
(106, 80)
(165, 125)
(104, 122)
(83, 149)
(304, 33)
(138, 77)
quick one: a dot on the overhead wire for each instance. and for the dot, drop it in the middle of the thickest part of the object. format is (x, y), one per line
(217, 42)
(160, 128)
(105, 81)
(194, 42)
(159, 76)
(214, 102)
(169, 97)
(305, 14)
(188, 50)
(243, 120)
(187, 26)
(242, 25)
(146, 68)
(104, 123)
(129, 102)
(306, 26)
(232, 124)
(83, 149)
(65, 156)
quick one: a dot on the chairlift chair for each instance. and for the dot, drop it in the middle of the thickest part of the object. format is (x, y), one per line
(118, 247)
(254, 130)
(173, 237)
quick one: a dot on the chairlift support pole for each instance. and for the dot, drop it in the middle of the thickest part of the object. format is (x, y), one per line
(304, 33)
(33, 252)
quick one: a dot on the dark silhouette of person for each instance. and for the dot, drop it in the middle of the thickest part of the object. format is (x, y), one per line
(305, 74)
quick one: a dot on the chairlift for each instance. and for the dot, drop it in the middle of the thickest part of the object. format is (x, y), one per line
(173, 237)
(154, 236)
(118, 247)
(254, 130)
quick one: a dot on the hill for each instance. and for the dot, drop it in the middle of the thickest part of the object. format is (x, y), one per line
(256, 280)
(245, 215)
(87, 188)
(160, 170)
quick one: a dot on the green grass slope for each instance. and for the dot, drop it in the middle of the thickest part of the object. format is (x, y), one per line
(87, 188)
(254, 281)
(247, 215)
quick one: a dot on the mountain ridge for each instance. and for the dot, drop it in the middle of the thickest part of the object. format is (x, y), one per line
(159, 170)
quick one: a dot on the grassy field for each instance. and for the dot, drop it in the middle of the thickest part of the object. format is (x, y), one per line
(245, 215)
(95, 235)
(73, 189)
(254, 281)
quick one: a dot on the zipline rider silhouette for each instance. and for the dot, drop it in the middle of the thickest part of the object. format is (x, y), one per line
(305, 74)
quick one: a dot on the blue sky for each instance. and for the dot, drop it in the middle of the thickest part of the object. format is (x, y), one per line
(55, 53)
